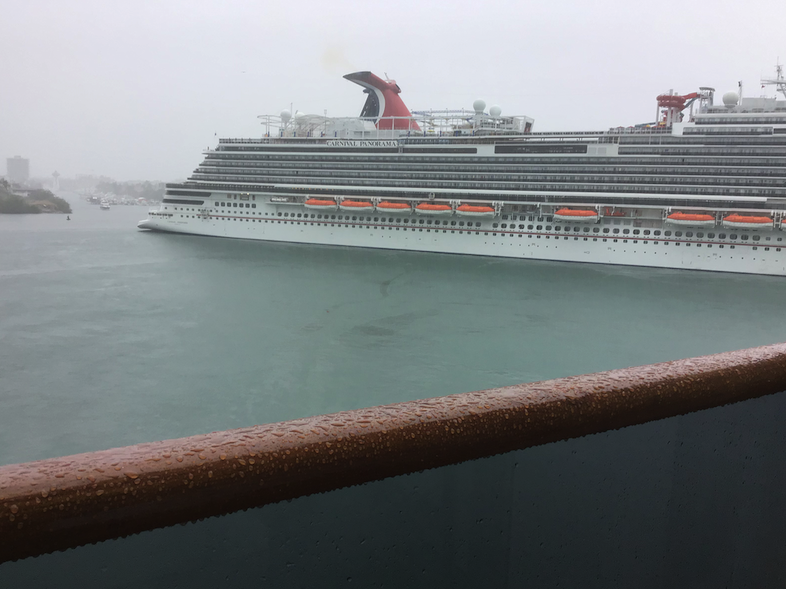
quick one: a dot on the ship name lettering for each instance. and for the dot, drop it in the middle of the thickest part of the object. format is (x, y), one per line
(355, 143)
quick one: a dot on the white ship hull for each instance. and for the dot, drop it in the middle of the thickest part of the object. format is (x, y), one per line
(767, 256)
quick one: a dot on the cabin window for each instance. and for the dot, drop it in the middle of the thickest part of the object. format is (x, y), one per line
(689, 234)
(678, 234)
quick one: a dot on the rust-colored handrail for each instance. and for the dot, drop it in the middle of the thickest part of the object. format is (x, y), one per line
(66, 502)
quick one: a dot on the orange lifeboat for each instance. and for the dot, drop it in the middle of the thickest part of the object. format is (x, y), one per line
(746, 222)
(475, 211)
(320, 204)
(355, 205)
(691, 220)
(571, 215)
(394, 207)
(427, 208)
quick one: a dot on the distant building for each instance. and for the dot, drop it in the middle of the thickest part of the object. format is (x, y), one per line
(17, 169)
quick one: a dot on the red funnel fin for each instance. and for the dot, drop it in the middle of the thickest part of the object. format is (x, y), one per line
(383, 98)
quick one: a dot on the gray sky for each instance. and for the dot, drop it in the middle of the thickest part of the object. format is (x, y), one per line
(135, 90)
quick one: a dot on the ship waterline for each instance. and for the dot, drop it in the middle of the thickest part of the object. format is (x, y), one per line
(694, 195)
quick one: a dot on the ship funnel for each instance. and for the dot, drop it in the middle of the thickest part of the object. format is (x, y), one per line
(383, 104)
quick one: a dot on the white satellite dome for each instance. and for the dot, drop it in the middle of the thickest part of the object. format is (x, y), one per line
(495, 111)
(731, 99)
(285, 116)
(479, 106)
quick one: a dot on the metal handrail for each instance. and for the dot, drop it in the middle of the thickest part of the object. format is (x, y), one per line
(61, 503)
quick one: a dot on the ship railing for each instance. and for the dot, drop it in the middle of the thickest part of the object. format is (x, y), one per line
(60, 503)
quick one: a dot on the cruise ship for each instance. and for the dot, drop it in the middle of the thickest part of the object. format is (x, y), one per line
(702, 187)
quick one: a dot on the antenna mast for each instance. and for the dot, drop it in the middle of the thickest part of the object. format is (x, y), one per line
(779, 81)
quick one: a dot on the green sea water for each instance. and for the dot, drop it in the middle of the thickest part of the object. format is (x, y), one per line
(112, 336)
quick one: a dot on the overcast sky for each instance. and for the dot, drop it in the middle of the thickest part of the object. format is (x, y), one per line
(135, 90)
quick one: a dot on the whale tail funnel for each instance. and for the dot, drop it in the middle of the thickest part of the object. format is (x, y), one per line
(383, 102)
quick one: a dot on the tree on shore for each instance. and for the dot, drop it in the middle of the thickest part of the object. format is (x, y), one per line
(37, 201)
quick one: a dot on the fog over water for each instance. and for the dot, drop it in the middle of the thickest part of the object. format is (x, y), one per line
(134, 90)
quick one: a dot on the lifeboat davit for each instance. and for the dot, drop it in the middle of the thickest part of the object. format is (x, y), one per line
(746, 222)
(427, 208)
(321, 204)
(691, 220)
(355, 205)
(394, 207)
(575, 215)
(475, 211)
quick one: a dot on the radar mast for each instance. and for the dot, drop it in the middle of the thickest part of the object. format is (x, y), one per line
(778, 81)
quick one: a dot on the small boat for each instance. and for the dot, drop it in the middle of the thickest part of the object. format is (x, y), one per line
(691, 220)
(320, 204)
(746, 222)
(104, 206)
(571, 215)
(394, 207)
(427, 208)
(475, 211)
(356, 205)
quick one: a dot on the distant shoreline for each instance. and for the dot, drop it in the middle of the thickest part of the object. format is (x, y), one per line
(35, 203)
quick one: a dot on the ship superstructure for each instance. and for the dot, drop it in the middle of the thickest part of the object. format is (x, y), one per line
(703, 188)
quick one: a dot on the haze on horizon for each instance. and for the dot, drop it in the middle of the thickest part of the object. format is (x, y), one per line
(135, 90)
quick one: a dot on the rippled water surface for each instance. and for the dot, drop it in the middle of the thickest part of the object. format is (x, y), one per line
(112, 336)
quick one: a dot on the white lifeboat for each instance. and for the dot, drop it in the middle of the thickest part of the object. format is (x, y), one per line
(321, 204)
(747, 222)
(356, 205)
(691, 219)
(476, 211)
(571, 215)
(427, 208)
